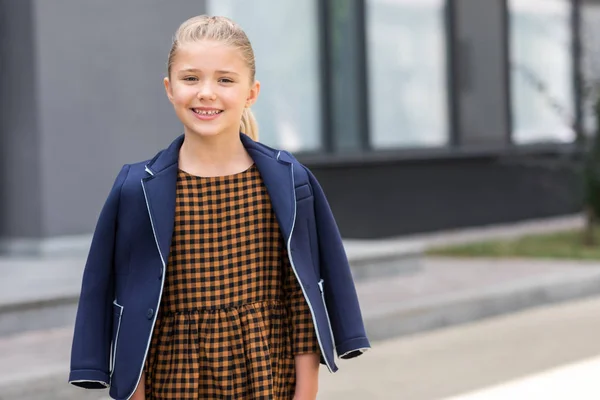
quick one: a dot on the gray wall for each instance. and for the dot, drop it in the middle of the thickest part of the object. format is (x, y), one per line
(85, 95)
(20, 181)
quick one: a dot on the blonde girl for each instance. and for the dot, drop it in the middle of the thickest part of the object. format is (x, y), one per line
(216, 269)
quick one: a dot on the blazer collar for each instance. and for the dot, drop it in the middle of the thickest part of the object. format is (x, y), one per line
(170, 155)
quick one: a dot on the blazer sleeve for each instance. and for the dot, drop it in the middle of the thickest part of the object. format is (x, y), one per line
(340, 293)
(90, 352)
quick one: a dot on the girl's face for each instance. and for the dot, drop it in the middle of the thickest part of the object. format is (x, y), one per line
(209, 86)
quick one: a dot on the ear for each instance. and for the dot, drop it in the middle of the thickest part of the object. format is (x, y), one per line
(253, 94)
(168, 88)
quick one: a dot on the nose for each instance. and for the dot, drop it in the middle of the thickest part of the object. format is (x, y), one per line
(206, 91)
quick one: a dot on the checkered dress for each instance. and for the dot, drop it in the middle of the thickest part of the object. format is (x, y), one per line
(232, 315)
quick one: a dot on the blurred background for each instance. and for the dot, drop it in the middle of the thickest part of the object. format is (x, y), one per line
(455, 140)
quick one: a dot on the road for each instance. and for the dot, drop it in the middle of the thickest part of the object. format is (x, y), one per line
(536, 354)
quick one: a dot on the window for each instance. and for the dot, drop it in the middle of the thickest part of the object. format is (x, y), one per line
(542, 103)
(590, 38)
(284, 37)
(407, 73)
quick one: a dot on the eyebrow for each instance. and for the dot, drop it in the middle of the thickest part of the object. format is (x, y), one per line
(219, 72)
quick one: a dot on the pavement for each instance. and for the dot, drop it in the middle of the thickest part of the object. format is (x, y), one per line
(548, 353)
(514, 354)
(401, 293)
(573, 381)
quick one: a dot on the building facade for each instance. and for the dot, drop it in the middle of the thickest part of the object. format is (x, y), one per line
(415, 115)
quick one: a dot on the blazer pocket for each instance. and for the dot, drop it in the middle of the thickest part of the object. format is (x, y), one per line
(117, 316)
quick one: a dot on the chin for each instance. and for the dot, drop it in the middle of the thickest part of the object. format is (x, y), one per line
(206, 132)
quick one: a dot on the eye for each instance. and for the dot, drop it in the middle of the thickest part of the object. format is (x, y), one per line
(190, 79)
(225, 80)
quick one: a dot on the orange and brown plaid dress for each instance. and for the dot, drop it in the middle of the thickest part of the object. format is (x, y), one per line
(232, 315)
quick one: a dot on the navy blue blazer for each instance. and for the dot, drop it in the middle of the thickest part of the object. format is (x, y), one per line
(124, 274)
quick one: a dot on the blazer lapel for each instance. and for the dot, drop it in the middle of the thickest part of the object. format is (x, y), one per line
(278, 179)
(159, 191)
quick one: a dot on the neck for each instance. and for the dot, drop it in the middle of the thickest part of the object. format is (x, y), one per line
(217, 155)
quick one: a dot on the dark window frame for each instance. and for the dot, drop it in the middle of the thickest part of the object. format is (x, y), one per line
(367, 154)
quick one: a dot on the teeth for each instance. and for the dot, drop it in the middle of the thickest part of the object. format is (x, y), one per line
(200, 112)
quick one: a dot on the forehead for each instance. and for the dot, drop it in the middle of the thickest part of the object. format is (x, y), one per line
(209, 55)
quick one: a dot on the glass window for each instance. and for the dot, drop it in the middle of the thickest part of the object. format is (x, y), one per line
(541, 71)
(590, 38)
(407, 73)
(284, 35)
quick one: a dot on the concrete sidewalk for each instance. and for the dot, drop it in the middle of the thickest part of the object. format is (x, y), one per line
(34, 365)
(400, 293)
(451, 291)
(467, 358)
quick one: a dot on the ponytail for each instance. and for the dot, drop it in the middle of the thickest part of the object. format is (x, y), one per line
(248, 124)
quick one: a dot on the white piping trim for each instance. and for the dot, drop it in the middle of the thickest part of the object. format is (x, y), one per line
(162, 285)
(362, 351)
(153, 228)
(106, 385)
(114, 350)
(148, 170)
(322, 289)
(289, 244)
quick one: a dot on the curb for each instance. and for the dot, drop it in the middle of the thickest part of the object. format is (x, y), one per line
(379, 261)
(37, 315)
(471, 306)
(39, 311)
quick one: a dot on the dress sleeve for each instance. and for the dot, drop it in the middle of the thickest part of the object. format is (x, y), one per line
(303, 335)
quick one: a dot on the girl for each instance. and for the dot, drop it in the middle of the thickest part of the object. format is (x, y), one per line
(216, 270)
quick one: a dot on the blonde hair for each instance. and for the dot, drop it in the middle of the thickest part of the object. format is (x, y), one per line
(226, 31)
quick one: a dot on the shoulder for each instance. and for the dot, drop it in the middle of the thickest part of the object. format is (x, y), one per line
(130, 173)
(127, 181)
(136, 171)
(302, 174)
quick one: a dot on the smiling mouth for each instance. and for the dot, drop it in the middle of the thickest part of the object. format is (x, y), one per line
(207, 112)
